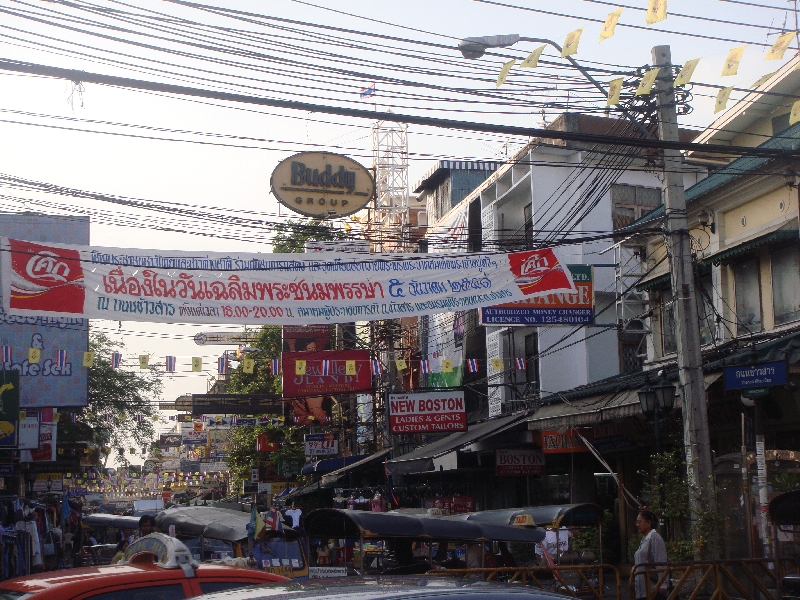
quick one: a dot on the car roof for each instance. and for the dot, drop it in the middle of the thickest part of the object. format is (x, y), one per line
(384, 588)
(115, 574)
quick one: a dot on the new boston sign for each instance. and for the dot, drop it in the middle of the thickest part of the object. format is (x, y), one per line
(322, 185)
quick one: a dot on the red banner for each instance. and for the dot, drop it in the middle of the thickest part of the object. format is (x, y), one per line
(431, 412)
(321, 373)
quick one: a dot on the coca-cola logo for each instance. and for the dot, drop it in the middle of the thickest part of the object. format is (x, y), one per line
(535, 267)
(47, 266)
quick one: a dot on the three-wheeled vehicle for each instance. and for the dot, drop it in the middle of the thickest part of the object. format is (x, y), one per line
(108, 530)
(216, 533)
(359, 542)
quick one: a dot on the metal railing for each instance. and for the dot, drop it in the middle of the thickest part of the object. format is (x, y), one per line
(748, 579)
(578, 581)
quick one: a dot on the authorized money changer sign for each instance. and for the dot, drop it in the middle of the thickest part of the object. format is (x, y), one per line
(435, 412)
(558, 308)
(322, 185)
(321, 444)
(518, 461)
(292, 289)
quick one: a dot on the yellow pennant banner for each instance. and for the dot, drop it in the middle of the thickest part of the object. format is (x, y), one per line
(401, 364)
(611, 23)
(794, 116)
(504, 71)
(533, 59)
(732, 61)
(722, 99)
(349, 367)
(762, 80)
(780, 46)
(34, 355)
(614, 89)
(447, 366)
(299, 367)
(656, 11)
(685, 76)
(88, 359)
(248, 365)
(646, 84)
(197, 364)
(571, 43)
(497, 364)
(144, 361)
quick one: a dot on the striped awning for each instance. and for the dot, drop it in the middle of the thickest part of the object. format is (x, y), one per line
(775, 237)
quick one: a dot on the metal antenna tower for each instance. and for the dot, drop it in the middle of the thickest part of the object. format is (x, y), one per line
(390, 161)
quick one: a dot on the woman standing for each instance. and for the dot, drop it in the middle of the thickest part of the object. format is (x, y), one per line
(651, 550)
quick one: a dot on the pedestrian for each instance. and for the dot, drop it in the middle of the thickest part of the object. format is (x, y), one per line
(652, 552)
(147, 525)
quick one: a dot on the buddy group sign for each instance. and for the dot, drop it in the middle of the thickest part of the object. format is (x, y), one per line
(166, 287)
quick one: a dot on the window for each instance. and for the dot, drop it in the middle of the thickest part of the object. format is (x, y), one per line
(669, 342)
(748, 297)
(786, 285)
(631, 202)
(153, 592)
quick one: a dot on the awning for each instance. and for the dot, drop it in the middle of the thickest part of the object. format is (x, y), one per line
(331, 479)
(775, 237)
(421, 459)
(595, 409)
(326, 465)
(655, 282)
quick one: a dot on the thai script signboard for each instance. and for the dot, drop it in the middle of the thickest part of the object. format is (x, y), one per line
(193, 438)
(321, 444)
(52, 280)
(756, 376)
(436, 412)
(518, 461)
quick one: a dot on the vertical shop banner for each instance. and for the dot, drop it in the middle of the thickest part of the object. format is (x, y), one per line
(81, 282)
(325, 373)
(50, 382)
(560, 308)
(495, 376)
(434, 412)
(512, 462)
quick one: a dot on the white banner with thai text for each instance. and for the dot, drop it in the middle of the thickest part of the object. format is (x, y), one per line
(157, 286)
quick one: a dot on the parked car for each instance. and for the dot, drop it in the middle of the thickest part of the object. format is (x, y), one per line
(156, 567)
(386, 588)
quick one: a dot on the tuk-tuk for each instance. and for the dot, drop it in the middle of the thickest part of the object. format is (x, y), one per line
(346, 542)
(784, 512)
(108, 530)
(217, 533)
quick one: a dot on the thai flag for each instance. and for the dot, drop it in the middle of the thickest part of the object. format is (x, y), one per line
(172, 417)
(377, 369)
(520, 364)
(472, 365)
(138, 418)
(106, 417)
(203, 418)
(276, 366)
(326, 368)
(61, 358)
(273, 520)
(116, 359)
(222, 365)
(170, 364)
(234, 420)
(367, 91)
(6, 353)
(74, 418)
(425, 366)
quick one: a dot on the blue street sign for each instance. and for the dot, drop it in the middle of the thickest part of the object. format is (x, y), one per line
(756, 376)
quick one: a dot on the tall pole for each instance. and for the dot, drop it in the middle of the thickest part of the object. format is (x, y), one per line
(690, 361)
(763, 491)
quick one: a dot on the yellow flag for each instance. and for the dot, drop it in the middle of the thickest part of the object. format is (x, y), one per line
(780, 46)
(571, 43)
(197, 364)
(447, 366)
(685, 76)
(23, 415)
(504, 71)
(144, 361)
(88, 359)
(614, 89)
(794, 116)
(722, 99)
(34, 354)
(349, 367)
(762, 80)
(732, 61)
(299, 367)
(248, 364)
(656, 11)
(646, 84)
(400, 364)
(533, 59)
(611, 22)
(56, 417)
(497, 364)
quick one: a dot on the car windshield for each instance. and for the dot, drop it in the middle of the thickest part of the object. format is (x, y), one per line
(212, 549)
(279, 552)
(10, 595)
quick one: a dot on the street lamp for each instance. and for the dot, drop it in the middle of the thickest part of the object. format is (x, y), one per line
(658, 399)
(475, 47)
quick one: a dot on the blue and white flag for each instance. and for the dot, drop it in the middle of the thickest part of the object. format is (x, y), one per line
(61, 358)
(222, 365)
(7, 353)
(367, 91)
(425, 366)
(377, 369)
(520, 364)
(170, 364)
(326, 368)
(276, 366)
(116, 359)
(472, 365)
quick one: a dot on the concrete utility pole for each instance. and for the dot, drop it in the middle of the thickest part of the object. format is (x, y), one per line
(690, 361)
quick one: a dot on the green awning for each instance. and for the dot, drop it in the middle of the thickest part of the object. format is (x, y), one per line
(655, 282)
(723, 257)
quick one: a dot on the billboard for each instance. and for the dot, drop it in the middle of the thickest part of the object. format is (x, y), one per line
(433, 412)
(312, 410)
(51, 382)
(445, 343)
(321, 444)
(561, 308)
(169, 440)
(326, 372)
(518, 461)
(193, 438)
(306, 338)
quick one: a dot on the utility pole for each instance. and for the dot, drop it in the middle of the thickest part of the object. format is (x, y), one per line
(690, 361)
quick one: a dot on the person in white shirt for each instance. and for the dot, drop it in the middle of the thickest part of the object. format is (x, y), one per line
(294, 514)
(652, 551)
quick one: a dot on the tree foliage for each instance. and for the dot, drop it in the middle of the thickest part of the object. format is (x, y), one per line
(267, 346)
(116, 397)
(242, 455)
(292, 235)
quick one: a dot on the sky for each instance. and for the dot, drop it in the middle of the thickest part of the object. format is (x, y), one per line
(220, 155)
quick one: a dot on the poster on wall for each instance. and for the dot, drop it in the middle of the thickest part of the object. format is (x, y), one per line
(495, 376)
(312, 410)
(80, 282)
(48, 434)
(326, 372)
(433, 412)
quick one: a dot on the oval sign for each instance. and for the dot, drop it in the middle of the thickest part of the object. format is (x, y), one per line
(322, 185)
